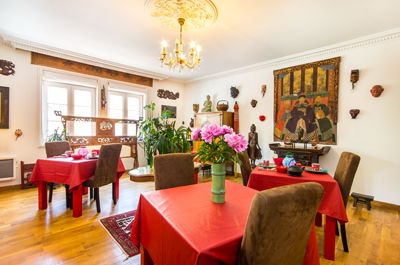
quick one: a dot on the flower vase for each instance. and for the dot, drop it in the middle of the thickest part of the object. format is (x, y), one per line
(218, 183)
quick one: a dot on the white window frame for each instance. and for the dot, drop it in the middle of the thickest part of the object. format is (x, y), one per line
(127, 91)
(71, 83)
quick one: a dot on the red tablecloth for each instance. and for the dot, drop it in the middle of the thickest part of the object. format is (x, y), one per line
(66, 171)
(331, 204)
(182, 226)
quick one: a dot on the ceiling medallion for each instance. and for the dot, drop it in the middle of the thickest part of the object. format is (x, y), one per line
(187, 14)
(197, 13)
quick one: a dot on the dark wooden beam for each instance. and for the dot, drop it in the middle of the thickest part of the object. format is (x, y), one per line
(87, 69)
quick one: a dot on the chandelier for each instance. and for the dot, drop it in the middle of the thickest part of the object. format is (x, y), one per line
(189, 14)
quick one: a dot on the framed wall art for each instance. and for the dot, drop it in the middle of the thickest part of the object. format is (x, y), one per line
(4, 107)
(306, 102)
(172, 109)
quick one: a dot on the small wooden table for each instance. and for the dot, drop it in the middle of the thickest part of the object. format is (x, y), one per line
(141, 174)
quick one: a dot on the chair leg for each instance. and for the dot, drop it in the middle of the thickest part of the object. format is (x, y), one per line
(114, 195)
(97, 198)
(344, 237)
(337, 228)
(67, 200)
(51, 187)
(91, 193)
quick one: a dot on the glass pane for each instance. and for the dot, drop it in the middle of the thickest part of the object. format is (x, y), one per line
(131, 129)
(133, 115)
(82, 98)
(118, 129)
(116, 101)
(57, 95)
(82, 111)
(52, 126)
(115, 113)
(52, 107)
(82, 128)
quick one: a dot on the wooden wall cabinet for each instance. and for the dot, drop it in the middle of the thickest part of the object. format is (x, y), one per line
(218, 117)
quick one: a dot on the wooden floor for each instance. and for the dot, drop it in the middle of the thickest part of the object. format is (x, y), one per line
(29, 236)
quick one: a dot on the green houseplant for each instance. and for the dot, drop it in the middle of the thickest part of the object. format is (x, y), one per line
(159, 135)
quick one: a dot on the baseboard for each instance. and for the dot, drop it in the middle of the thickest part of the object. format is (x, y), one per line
(379, 204)
(11, 187)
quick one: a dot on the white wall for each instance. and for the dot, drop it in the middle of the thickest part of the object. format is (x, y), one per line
(25, 109)
(373, 135)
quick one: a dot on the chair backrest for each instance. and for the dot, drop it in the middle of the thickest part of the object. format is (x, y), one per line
(173, 170)
(107, 164)
(279, 225)
(345, 172)
(245, 167)
(56, 148)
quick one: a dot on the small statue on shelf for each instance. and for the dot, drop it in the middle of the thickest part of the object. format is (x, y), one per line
(191, 124)
(207, 105)
(254, 149)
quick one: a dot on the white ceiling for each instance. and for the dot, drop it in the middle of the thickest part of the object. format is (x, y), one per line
(245, 33)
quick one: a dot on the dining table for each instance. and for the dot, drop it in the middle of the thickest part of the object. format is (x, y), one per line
(182, 225)
(331, 205)
(68, 171)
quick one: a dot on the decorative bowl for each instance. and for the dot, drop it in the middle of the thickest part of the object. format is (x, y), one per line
(295, 171)
(281, 169)
(76, 156)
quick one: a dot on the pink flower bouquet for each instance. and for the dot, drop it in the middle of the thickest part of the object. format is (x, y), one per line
(220, 144)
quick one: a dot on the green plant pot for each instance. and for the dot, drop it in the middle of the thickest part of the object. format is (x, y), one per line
(218, 183)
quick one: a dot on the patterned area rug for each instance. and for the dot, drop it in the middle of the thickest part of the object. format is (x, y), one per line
(119, 227)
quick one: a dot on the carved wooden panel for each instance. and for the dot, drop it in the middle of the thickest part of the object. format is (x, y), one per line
(87, 69)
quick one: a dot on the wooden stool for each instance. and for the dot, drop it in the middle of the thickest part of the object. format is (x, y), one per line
(141, 174)
(362, 198)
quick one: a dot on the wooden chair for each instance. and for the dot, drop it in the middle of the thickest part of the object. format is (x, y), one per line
(106, 172)
(245, 166)
(344, 175)
(173, 170)
(279, 225)
(56, 149)
(26, 171)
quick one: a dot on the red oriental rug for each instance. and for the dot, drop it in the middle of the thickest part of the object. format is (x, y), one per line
(119, 227)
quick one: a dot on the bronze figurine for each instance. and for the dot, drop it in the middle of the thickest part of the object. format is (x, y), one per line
(253, 103)
(234, 92)
(354, 113)
(254, 149)
(263, 90)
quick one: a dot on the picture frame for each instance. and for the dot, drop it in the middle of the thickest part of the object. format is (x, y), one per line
(4, 107)
(172, 109)
(306, 102)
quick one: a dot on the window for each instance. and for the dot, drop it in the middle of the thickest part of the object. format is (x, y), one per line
(70, 96)
(125, 103)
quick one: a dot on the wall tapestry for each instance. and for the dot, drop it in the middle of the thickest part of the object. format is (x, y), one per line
(306, 102)
(4, 107)
(171, 109)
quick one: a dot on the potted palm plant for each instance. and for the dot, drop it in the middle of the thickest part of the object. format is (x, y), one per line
(159, 135)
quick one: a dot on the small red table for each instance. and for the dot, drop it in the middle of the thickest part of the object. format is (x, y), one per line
(182, 226)
(331, 204)
(70, 172)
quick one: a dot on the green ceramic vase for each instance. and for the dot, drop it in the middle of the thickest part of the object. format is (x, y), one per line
(218, 183)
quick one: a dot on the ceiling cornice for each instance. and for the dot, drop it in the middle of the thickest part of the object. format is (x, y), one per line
(23, 44)
(310, 54)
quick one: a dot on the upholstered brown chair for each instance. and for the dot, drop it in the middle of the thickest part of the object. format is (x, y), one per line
(344, 175)
(279, 225)
(106, 171)
(56, 149)
(173, 170)
(245, 166)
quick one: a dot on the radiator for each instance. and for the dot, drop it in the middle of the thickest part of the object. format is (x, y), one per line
(7, 168)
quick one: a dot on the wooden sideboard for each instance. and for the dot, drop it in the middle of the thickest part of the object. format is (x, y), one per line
(306, 156)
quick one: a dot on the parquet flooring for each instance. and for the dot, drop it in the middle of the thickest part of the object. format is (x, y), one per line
(29, 236)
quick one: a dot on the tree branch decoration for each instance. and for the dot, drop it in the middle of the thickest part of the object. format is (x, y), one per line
(7, 67)
(161, 93)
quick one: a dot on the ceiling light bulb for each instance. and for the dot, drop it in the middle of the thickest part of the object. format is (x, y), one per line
(198, 48)
(192, 44)
(164, 44)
